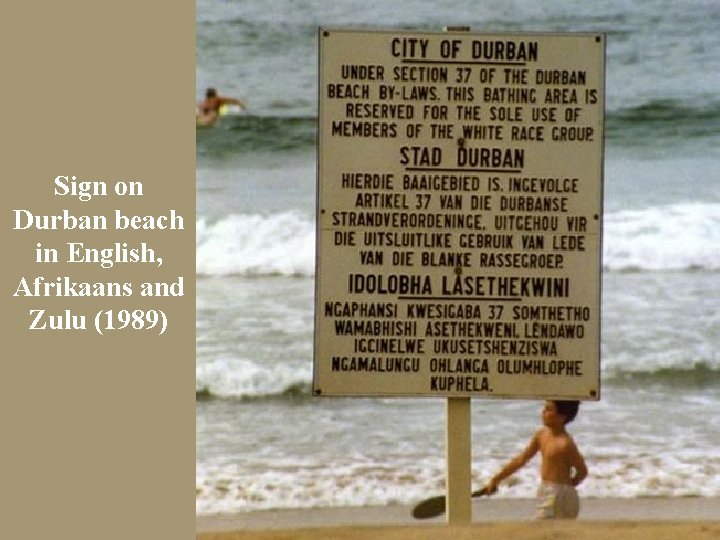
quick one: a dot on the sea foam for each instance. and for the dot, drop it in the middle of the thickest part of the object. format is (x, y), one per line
(683, 236)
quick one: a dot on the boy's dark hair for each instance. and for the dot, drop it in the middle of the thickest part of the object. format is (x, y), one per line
(568, 409)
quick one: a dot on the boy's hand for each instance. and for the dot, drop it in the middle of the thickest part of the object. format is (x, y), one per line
(491, 487)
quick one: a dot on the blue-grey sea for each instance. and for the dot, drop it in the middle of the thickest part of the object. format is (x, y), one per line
(263, 441)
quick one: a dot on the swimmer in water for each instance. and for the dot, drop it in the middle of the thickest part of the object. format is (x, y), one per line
(208, 110)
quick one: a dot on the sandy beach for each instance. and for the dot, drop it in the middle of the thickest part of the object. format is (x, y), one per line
(633, 519)
(516, 531)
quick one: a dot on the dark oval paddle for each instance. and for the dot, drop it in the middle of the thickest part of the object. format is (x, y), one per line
(435, 506)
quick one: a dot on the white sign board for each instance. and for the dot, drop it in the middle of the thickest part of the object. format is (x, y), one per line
(459, 214)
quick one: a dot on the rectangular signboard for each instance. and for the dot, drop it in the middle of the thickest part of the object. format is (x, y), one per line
(459, 214)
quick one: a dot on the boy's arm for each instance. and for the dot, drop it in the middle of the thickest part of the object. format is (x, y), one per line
(232, 101)
(515, 463)
(578, 463)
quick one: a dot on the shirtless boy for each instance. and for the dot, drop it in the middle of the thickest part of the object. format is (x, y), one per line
(562, 466)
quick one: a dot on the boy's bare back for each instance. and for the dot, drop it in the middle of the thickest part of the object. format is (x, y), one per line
(561, 463)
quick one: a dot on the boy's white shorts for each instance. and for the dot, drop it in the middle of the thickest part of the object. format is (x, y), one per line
(557, 501)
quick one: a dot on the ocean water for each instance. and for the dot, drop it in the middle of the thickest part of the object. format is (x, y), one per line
(264, 442)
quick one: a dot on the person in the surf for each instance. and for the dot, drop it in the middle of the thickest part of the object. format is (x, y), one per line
(208, 110)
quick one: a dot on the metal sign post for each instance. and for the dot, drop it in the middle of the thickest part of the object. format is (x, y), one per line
(459, 458)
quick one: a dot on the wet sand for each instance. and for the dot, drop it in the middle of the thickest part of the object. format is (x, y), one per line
(628, 519)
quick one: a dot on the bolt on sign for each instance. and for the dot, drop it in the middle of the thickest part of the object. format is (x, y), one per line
(459, 214)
